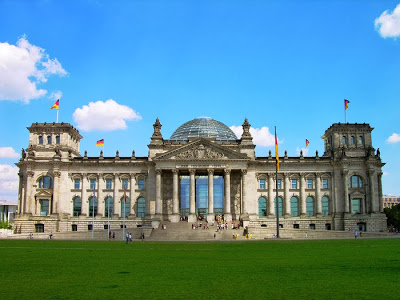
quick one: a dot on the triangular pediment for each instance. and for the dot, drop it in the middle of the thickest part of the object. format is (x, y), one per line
(44, 193)
(201, 150)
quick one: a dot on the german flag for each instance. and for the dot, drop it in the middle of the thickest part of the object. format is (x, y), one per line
(276, 152)
(307, 143)
(56, 104)
(100, 143)
(346, 104)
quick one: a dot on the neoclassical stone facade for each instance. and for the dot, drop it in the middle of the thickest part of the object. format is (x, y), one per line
(202, 170)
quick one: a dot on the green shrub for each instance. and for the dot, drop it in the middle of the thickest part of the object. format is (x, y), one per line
(5, 225)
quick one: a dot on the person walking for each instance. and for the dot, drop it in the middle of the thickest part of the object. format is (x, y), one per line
(355, 234)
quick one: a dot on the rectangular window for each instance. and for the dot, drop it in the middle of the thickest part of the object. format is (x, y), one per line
(77, 184)
(57, 139)
(92, 184)
(279, 184)
(325, 183)
(44, 207)
(49, 139)
(262, 184)
(356, 206)
(141, 184)
(108, 184)
(310, 184)
(124, 184)
(40, 140)
(294, 183)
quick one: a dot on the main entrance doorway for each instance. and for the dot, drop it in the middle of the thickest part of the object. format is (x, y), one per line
(201, 194)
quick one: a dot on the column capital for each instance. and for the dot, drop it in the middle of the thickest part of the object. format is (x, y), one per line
(318, 174)
(370, 172)
(57, 173)
(302, 175)
(30, 173)
(175, 171)
(286, 175)
(192, 171)
(227, 171)
(244, 171)
(344, 172)
(210, 171)
(158, 171)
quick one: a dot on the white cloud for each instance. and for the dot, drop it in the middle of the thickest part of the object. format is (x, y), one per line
(385, 174)
(305, 151)
(9, 182)
(56, 95)
(261, 136)
(8, 152)
(394, 138)
(388, 25)
(104, 116)
(22, 67)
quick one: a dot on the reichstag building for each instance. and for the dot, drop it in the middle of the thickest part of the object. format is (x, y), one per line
(202, 171)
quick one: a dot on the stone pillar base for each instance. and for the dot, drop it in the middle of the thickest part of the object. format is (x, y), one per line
(175, 218)
(155, 223)
(210, 218)
(228, 217)
(192, 218)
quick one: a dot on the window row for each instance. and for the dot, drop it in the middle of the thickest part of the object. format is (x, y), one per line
(294, 184)
(48, 139)
(353, 140)
(109, 184)
(294, 207)
(109, 207)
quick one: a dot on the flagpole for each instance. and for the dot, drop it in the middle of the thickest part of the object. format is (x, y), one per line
(345, 119)
(276, 191)
(123, 230)
(57, 116)
(108, 217)
(94, 195)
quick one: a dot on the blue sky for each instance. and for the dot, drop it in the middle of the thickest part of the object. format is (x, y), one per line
(118, 65)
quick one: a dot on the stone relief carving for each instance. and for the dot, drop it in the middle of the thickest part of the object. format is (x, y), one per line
(200, 152)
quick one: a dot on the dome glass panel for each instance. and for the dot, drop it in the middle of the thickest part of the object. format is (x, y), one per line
(204, 127)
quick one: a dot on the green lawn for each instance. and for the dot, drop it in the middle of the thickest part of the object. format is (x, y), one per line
(333, 269)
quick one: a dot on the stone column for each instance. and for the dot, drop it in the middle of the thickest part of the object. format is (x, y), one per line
(380, 195)
(318, 194)
(245, 205)
(84, 199)
(53, 209)
(30, 204)
(373, 203)
(192, 201)
(175, 197)
(210, 216)
(287, 198)
(21, 194)
(302, 195)
(158, 193)
(132, 194)
(346, 191)
(271, 210)
(116, 212)
(100, 197)
(227, 204)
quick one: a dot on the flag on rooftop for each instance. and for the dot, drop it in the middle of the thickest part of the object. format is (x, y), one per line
(346, 104)
(307, 143)
(56, 104)
(276, 152)
(100, 143)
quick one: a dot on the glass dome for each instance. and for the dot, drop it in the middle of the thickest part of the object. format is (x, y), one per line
(204, 127)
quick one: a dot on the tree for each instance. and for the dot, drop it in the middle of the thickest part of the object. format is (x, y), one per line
(393, 216)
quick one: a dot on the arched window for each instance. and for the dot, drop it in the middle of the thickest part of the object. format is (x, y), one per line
(280, 206)
(40, 140)
(45, 182)
(355, 182)
(344, 140)
(125, 206)
(325, 206)
(360, 140)
(109, 206)
(92, 205)
(262, 207)
(141, 207)
(77, 206)
(352, 140)
(310, 211)
(294, 206)
(49, 139)
(57, 139)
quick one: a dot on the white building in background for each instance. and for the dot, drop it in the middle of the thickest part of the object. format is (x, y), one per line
(204, 171)
(8, 211)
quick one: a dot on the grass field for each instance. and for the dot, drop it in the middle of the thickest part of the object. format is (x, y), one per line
(333, 269)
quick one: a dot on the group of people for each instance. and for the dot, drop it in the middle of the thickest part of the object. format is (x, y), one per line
(128, 237)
